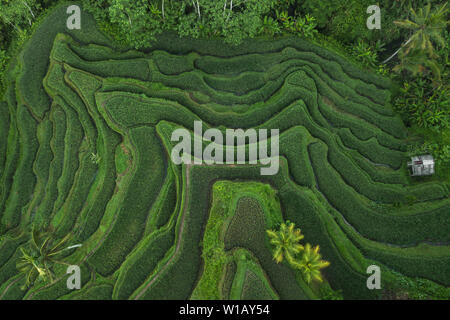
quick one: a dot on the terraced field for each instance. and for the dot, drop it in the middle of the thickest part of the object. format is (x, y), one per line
(85, 148)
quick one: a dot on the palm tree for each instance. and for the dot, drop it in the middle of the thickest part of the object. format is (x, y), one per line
(37, 260)
(426, 26)
(286, 242)
(311, 263)
(30, 267)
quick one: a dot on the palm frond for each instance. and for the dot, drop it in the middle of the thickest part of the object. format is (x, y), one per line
(407, 24)
(57, 248)
(35, 237)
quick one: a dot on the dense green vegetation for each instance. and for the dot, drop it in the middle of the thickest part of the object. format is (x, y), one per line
(86, 119)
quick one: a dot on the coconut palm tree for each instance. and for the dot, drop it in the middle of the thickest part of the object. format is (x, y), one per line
(426, 26)
(311, 263)
(39, 257)
(286, 242)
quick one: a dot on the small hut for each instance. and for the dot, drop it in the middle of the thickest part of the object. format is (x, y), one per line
(422, 165)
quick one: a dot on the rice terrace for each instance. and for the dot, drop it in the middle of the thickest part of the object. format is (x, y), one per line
(88, 181)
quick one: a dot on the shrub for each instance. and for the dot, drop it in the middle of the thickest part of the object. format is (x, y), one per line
(422, 104)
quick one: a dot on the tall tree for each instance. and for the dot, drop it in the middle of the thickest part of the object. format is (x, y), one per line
(311, 263)
(286, 242)
(234, 20)
(138, 21)
(417, 62)
(426, 26)
(40, 255)
(17, 13)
